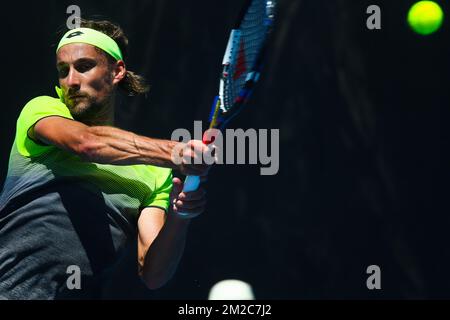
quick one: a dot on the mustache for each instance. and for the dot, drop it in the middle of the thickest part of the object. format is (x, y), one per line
(72, 95)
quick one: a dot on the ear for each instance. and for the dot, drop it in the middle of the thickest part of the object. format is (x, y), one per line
(119, 72)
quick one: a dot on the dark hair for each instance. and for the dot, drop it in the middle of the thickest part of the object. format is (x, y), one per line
(133, 84)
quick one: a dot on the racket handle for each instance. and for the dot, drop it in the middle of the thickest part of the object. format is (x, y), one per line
(191, 183)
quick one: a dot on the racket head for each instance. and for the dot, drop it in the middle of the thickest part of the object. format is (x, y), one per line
(243, 59)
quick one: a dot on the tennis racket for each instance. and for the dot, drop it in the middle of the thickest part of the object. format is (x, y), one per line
(242, 65)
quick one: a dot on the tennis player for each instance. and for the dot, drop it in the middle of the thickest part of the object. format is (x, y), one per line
(80, 192)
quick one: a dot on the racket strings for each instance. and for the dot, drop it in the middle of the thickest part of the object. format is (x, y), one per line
(252, 34)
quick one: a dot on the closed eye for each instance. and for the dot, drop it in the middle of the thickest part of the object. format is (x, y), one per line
(63, 71)
(81, 65)
(84, 65)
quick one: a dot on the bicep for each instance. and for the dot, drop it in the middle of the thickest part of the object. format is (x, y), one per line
(150, 224)
(61, 132)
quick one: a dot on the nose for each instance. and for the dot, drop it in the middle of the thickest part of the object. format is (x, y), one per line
(73, 79)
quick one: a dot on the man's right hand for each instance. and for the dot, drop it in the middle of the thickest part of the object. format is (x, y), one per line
(189, 158)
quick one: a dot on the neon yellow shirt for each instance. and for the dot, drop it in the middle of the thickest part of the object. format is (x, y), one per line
(128, 188)
(58, 211)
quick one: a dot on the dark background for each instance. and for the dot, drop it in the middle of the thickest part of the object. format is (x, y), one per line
(363, 140)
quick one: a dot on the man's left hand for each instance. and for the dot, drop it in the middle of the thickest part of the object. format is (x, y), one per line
(191, 204)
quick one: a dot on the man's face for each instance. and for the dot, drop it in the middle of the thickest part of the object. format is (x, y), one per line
(86, 78)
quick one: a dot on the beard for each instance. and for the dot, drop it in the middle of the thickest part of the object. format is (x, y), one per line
(86, 109)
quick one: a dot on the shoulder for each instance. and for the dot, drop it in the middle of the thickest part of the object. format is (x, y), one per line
(34, 110)
(44, 103)
(41, 107)
(43, 100)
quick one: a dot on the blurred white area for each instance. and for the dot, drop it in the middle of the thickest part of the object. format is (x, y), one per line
(231, 289)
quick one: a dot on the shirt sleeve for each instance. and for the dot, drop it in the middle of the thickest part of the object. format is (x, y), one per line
(161, 196)
(35, 110)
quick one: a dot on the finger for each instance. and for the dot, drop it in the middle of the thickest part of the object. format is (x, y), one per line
(191, 156)
(196, 145)
(196, 149)
(193, 195)
(177, 187)
(187, 205)
(214, 153)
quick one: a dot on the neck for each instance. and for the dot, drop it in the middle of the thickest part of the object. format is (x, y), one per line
(104, 115)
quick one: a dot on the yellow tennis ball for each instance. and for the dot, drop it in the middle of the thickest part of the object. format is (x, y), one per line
(425, 17)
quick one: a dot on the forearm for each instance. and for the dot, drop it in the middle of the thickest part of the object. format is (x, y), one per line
(162, 258)
(109, 145)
